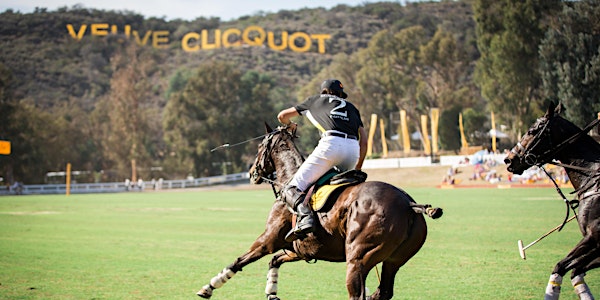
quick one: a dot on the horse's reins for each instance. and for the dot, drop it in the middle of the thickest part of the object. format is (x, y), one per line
(273, 183)
(267, 179)
(570, 204)
(573, 204)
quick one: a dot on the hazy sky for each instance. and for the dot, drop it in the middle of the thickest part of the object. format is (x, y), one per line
(184, 9)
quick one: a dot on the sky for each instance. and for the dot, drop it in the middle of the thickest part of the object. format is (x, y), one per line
(184, 9)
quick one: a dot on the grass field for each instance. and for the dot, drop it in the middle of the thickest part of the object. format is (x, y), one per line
(167, 245)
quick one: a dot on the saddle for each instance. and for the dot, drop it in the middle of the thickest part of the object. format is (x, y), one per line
(326, 190)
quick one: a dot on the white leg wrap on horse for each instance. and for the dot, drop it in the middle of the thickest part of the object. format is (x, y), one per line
(218, 281)
(271, 288)
(581, 288)
(553, 287)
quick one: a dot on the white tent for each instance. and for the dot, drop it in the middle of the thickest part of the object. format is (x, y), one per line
(499, 134)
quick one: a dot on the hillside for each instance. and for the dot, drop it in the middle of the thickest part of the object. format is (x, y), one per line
(49, 65)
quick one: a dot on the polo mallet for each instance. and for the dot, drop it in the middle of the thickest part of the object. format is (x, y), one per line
(520, 242)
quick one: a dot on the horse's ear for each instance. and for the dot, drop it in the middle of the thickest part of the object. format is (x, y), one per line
(558, 108)
(268, 128)
(551, 110)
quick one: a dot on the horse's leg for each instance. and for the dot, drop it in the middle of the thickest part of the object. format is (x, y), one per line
(273, 274)
(271, 240)
(581, 288)
(405, 252)
(366, 251)
(577, 279)
(257, 251)
(385, 290)
(363, 251)
(356, 274)
(585, 253)
(358, 268)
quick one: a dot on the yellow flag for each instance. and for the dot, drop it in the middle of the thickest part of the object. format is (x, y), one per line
(426, 145)
(383, 140)
(405, 136)
(372, 130)
(463, 140)
(493, 134)
(435, 117)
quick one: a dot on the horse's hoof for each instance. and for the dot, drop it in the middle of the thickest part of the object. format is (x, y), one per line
(205, 292)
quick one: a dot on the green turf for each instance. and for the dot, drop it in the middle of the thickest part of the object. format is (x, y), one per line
(167, 245)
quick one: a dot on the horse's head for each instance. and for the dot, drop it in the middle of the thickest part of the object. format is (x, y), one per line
(536, 145)
(275, 143)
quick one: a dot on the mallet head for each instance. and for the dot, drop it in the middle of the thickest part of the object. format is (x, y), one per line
(521, 249)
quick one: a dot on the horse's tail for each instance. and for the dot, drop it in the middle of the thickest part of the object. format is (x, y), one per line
(432, 212)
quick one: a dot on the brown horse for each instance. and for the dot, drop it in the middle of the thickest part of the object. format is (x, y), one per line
(552, 139)
(370, 222)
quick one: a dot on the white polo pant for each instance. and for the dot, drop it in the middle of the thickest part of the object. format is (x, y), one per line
(331, 151)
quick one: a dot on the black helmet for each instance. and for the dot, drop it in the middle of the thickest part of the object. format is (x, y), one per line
(335, 86)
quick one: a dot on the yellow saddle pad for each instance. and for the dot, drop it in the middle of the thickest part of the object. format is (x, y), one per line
(319, 198)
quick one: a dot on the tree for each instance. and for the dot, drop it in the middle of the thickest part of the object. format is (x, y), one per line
(474, 121)
(570, 61)
(127, 131)
(449, 128)
(508, 35)
(412, 71)
(391, 73)
(445, 67)
(220, 104)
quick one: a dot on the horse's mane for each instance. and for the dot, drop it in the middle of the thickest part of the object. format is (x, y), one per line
(572, 129)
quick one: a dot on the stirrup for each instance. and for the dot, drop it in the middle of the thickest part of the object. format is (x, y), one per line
(304, 224)
(292, 236)
(297, 234)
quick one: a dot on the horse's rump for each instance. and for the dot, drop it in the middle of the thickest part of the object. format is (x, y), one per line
(371, 199)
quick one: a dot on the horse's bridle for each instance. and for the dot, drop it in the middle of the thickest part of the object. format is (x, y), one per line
(526, 155)
(264, 160)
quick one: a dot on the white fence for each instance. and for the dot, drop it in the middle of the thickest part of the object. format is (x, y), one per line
(114, 187)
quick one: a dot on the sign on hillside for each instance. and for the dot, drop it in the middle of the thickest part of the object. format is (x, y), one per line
(5, 147)
(251, 36)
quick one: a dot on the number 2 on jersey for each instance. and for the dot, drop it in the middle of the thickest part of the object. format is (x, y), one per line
(338, 109)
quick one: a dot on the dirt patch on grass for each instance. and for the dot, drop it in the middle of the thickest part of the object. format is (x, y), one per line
(409, 177)
(430, 176)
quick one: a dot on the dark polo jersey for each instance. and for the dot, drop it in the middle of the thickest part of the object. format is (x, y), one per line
(329, 112)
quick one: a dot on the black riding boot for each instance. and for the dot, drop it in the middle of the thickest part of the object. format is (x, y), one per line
(304, 221)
